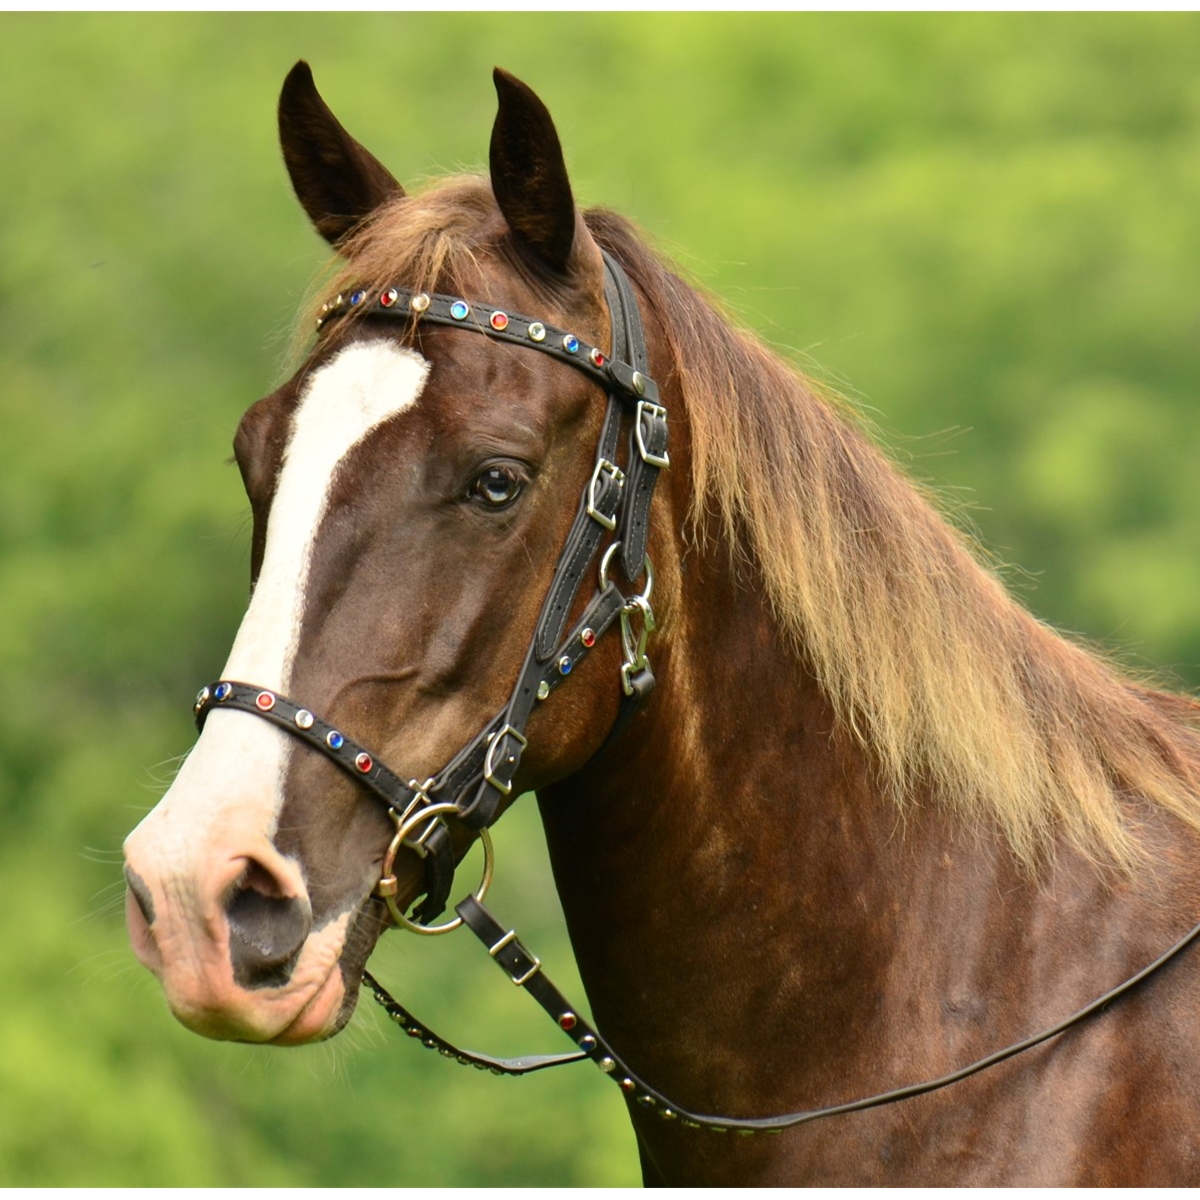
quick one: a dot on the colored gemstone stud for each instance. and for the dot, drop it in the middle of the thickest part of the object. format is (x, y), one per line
(363, 762)
(356, 298)
(568, 1020)
(498, 321)
(565, 665)
(304, 719)
(419, 303)
(543, 690)
(587, 1042)
(202, 699)
(222, 690)
(265, 701)
(607, 1065)
(459, 310)
(596, 357)
(388, 298)
(537, 332)
(334, 740)
(588, 637)
(570, 343)
(627, 1085)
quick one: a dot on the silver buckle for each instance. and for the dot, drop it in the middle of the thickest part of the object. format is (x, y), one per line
(656, 412)
(489, 766)
(519, 980)
(618, 477)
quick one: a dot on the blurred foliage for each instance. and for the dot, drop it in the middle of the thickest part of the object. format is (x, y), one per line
(984, 228)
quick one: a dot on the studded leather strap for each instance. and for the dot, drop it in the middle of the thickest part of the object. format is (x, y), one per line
(525, 970)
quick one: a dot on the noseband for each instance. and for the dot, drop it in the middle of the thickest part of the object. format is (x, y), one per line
(475, 782)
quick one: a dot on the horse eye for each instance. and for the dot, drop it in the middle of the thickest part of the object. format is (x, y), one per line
(497, 487)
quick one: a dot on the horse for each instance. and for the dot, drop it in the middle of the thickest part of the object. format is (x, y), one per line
(828, 812)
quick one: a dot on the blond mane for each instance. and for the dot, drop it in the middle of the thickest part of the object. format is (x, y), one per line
(951, 686)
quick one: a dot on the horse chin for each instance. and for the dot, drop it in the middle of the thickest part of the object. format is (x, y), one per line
(322, 1017)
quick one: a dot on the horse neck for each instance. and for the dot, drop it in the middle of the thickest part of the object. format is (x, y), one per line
(721, 857)
(734, 880)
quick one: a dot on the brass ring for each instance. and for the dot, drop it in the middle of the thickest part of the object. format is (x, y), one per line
(386, 888)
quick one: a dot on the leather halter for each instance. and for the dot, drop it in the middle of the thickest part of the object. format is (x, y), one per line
(477, 779)
(614, 501)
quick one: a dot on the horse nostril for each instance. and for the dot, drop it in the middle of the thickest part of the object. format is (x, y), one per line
(140, 893)
(266, 931)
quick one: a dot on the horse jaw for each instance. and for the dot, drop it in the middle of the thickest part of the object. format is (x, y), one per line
(210, 841)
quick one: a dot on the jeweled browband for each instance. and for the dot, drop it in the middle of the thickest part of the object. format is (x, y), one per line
(496, 323)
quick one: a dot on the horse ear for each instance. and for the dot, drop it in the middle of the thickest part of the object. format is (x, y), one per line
(338, 182)
(529, 180)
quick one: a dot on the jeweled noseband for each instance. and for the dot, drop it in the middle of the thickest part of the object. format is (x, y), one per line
(473, 784)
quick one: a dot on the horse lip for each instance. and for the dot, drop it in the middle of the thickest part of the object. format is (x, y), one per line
(327, 1005)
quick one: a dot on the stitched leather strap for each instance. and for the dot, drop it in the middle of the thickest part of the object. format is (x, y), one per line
(647, 453)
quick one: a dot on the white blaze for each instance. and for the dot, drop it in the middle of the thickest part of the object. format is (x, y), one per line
(232, 780)
(342, 402)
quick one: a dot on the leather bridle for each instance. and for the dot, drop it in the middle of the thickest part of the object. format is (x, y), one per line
(474, 784)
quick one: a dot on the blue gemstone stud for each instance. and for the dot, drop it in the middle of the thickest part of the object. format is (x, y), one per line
(570, 343)
(358, 297)
(459, 310)
(222, 691)
(565, 665)
(334, 739)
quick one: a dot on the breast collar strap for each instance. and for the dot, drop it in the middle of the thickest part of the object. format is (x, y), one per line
(615, 505)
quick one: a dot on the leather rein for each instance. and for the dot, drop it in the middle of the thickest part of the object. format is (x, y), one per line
(475, 782)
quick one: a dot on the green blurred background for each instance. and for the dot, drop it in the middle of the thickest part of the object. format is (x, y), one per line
(985, 229)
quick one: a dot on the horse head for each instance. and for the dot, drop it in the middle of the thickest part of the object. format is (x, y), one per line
(413, 486)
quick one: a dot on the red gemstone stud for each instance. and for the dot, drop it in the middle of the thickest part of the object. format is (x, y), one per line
(568, 1020)
(499, 321)
(596, 357)
(389, 298)
(588, 637)
(265, 701)
(363, 762)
